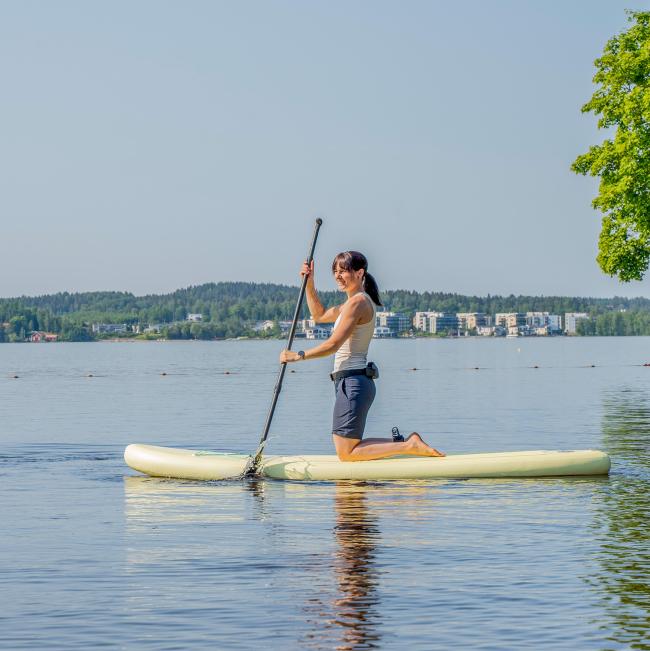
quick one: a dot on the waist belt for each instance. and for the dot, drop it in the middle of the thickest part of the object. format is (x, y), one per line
(370, 371)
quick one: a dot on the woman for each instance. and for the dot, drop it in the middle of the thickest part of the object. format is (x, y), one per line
(354, 324)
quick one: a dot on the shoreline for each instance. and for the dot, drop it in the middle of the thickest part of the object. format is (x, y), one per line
(121, 340)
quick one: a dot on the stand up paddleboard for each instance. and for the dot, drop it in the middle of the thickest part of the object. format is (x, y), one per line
(192, 464)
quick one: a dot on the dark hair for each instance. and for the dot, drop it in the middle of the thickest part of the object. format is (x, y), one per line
(353, 261)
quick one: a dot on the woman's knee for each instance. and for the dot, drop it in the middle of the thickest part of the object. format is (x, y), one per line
(344, 455)
(344, 447)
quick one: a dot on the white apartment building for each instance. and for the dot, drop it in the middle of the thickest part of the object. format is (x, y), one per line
(472, 320)
(543, 320)
(509, 319)
(306, 324)
(317, 332)
(571, 319)
(396, 321)
(555, 322)
(443, 322)
(421, 320)
(536, 319)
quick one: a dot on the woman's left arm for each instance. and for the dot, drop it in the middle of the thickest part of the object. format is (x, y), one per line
(352, 312)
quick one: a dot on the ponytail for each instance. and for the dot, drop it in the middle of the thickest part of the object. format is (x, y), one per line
(353, 261)
(370, 287)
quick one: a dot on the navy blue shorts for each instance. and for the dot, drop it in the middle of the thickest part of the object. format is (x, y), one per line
(354, 395)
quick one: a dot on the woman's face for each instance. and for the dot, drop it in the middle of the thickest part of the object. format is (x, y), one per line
(347, 279)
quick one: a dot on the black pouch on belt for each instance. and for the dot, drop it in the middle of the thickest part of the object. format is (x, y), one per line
(372, 371)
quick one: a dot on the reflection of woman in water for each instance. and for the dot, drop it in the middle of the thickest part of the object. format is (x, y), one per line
(354, 566)
(354, 324)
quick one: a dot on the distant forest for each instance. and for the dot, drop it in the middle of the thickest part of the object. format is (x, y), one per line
(232, 309)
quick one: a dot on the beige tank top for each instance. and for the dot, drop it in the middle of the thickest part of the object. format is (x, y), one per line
(354, 351)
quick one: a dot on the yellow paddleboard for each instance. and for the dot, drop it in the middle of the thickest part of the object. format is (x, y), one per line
(192, 464)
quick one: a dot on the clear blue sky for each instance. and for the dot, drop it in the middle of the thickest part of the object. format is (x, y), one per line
(150, 145)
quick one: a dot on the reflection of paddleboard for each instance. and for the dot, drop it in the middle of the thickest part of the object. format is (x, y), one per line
(192, 464)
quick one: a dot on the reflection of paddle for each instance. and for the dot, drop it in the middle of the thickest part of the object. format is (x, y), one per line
(254, 461)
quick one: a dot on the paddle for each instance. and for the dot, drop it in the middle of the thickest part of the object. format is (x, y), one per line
(254, 462)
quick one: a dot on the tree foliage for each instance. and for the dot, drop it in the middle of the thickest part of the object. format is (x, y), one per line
(622, 104)
(615, 324)
(232, 309)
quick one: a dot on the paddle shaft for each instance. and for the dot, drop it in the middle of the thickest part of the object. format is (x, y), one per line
(252, 466)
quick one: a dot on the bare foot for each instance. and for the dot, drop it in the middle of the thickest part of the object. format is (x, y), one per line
(421, 447)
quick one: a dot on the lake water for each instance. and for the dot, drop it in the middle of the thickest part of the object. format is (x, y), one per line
(93, 555)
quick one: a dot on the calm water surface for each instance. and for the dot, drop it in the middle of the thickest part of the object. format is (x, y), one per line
(93, 555)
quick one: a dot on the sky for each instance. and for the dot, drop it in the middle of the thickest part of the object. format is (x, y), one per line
(152, 145)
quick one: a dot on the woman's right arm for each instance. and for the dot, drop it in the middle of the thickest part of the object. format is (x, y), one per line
(318, 312)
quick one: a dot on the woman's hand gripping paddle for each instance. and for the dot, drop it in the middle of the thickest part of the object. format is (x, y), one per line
(254, 461)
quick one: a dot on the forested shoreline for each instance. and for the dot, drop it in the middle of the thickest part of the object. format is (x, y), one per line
(232, 309)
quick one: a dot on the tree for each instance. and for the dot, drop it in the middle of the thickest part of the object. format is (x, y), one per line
(622, 103)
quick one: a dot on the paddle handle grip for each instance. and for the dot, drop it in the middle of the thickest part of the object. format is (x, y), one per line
(303, 287)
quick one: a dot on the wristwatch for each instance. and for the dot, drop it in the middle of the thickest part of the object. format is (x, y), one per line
(301, 354)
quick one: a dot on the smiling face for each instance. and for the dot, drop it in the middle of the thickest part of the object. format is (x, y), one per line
(348, 279)
(349, 268)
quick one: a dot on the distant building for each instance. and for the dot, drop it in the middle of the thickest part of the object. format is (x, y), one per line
(571, 320)
(536, 319)
(37, 337)
(554, 323)
(109, 328)
(421, 320)
(443, 322)
(396, 321)
(194, 317)
(285, 326)
(520, 331)
(509, 319)
(472, 320)
(491, 331)
(307, 324)
(383, 332)
(263, 326)
(153, 328)
(318, 332)
(543, 323)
